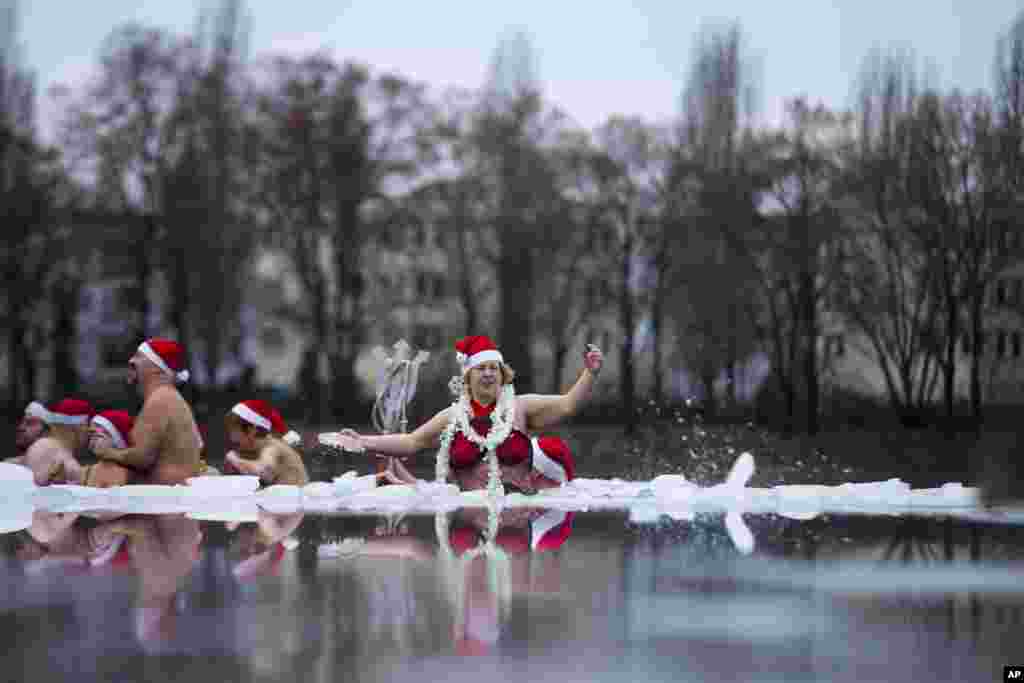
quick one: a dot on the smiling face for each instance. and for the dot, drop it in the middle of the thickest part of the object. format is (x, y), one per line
(98, 436)
(484, 382)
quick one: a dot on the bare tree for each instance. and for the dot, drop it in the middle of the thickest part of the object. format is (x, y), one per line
(121, 127)
(712, 201)
(795, 250)
(512, 106)
(885, 294)
(30, 244)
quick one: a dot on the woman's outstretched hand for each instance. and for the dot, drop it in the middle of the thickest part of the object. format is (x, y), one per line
(347, 440)
(593, 359)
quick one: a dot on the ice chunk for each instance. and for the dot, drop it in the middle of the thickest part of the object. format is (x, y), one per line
(221, 485)
(15, 478)
(739, 532)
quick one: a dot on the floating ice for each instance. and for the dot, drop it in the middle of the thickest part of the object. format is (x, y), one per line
(235, 498)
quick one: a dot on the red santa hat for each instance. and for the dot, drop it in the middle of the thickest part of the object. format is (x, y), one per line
(553, 459)
(70, 411)
(263, 415)
(472, 351)
(167, 355)
(118, 424)
(36, 409)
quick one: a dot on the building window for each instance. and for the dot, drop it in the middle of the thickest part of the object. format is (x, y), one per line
(1015, 343)
(438, 287)
(422, 285)
(1000, 344)
(1015, 286)
(1000, 293)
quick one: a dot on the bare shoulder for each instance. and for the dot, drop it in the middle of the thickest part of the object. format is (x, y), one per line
(43, 448)
(280, 451)
(161, 398)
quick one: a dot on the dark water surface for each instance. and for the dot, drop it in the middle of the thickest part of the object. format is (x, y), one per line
(591, 596)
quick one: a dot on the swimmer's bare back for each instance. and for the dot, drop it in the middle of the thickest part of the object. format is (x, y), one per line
(165, 449)
(179, 444)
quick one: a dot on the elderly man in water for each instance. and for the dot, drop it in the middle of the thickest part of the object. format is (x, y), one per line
(51, 457)
(31, 427)
(166, 443)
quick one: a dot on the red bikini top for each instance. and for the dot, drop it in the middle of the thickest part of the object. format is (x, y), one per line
(514, 450)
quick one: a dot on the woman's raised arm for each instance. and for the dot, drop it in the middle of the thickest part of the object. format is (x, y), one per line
(543, 411)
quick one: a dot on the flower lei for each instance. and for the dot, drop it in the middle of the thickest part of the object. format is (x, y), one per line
(501, 426)
(453, 568)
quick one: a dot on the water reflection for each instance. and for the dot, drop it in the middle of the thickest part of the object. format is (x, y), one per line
(525, 593)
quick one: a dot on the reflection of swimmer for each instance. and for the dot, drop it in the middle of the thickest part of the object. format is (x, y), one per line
(483, 436)
(163, 550)
(51, 458)
(30, 429)
(485, 558)
(257, 549)
(263, 441)
(166, 443)
(63, 540)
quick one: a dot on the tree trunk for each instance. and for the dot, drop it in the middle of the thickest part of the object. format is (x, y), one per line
(144, 276)
(627, 384)
(348, 327)
(810, 351)
(976, 322)
(949, 370)
(558, 369)
(319, 392)
(657, 317)
(65, 374)
(515, 275)
(466, 293)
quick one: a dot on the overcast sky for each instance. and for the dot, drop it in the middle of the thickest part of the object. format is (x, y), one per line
(595, 58)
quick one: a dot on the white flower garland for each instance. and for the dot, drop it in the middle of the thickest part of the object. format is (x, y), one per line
(502, 419)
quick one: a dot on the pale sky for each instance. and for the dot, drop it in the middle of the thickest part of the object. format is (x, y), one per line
(595, 58)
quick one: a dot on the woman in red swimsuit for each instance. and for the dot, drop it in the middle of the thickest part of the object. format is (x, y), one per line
(483, 437)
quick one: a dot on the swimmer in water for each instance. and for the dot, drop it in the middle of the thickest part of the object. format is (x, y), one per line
(264, 445)
(31, 427)
(166, 443)
(52, 457)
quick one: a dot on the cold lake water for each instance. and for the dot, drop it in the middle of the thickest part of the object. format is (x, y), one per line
(608, 580)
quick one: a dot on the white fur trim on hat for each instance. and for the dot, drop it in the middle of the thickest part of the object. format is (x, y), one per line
(152, 355)
(292, 438)
(113, 431)
(58, 419)
(546, 465)
(37, 409)
(482, 357)
(543, 524)
(251, 416)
